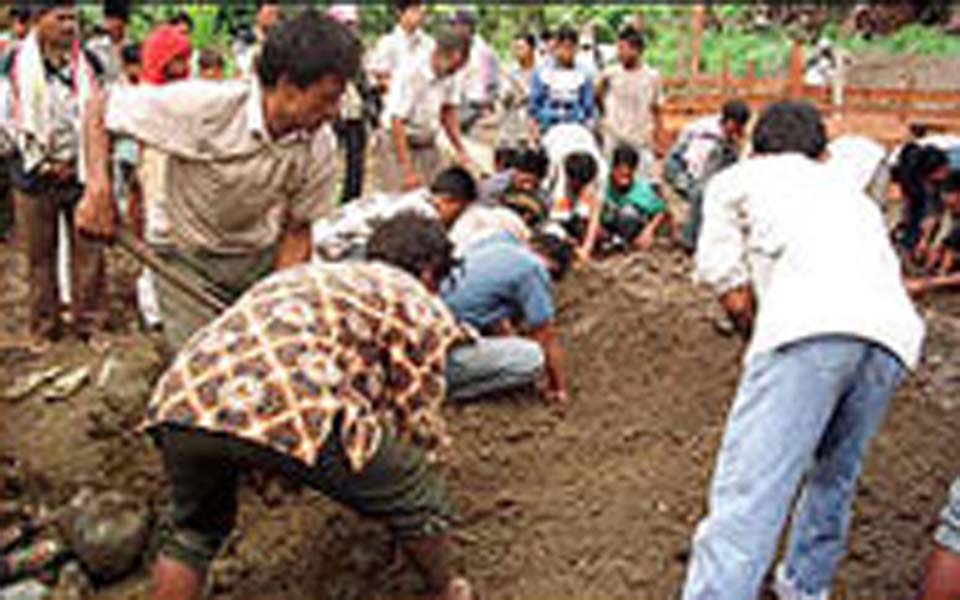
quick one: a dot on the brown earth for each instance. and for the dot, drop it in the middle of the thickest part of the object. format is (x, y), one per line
(598, 505)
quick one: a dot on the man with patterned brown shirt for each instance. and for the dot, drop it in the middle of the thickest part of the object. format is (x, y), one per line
(331, 375)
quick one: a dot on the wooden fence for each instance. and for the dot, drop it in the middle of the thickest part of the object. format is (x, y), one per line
(880, 113)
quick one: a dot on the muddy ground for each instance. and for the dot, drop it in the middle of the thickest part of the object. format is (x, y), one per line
(601, 504)
(598, 505)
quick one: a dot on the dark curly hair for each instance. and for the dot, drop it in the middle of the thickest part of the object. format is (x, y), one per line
(414, 243)
(307, 48)
(790, 126)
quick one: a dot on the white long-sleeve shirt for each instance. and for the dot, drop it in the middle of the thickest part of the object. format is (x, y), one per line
(814, 249)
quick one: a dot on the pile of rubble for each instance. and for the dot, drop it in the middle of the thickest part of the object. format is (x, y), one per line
(63, 553)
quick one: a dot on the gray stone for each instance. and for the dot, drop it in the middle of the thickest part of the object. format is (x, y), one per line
(107, 531)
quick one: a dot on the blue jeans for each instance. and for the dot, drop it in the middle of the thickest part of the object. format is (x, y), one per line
(802, 418)
(493, 364)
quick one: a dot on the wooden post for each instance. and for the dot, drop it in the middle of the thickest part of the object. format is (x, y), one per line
(696, 37)
(796, 70)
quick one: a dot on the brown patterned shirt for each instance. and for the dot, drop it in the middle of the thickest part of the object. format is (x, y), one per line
(364, 341)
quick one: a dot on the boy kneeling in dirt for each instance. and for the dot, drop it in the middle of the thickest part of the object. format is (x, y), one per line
(578, 208)
(832, 333)
(331, 375)
(503, 287)
(632, 210)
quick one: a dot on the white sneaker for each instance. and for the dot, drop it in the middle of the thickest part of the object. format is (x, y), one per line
(786, 589)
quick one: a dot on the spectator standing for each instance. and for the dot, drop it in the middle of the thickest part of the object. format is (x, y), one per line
(630, 95)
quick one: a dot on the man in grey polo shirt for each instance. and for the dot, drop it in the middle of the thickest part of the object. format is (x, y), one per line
(251, 162)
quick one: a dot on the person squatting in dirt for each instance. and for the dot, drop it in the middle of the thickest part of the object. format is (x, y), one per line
(703, 149)
(832, 333)
(330, 375)
(254, 167)
(502, 288)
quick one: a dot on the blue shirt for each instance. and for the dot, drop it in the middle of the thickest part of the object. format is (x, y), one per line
(500, 279)
(561, 95)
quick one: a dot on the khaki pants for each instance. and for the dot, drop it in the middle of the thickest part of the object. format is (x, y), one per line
(227, 277)
(426, 159)
(38, 215)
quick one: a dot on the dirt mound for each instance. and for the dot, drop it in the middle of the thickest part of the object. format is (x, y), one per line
(600, 504)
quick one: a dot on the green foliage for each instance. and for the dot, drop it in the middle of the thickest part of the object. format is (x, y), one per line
(667, 26)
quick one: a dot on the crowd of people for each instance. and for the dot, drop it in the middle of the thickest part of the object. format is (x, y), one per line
(318, 338)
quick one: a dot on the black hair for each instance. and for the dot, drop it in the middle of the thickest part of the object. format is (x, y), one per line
(447, 40)
(307, 48)
(528, 37)
(130, 54)
(117, 9)
(211, 58)
(632, 36)
(567, 33)
(401, 5)
(533, 160)
(919, 129)
(916, 162)
(581, 168)
(505, 157)
(625, 154)
(735, 110)
(790, 126)
(414, 243)
(546, 35)
(21, 14)
(182, 17)
(556, 249)
(456, 183)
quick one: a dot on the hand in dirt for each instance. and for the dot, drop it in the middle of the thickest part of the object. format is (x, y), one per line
(917, 288)
(411, 181)
(583, 255)
(644, 242)
(559, 402)
(96, 214)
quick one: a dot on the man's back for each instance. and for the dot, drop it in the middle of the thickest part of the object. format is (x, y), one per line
(500, 279)
(816, 252)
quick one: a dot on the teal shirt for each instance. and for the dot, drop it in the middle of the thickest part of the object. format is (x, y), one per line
(640, 195)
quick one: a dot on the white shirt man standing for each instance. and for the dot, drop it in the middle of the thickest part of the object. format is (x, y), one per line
(832, 334)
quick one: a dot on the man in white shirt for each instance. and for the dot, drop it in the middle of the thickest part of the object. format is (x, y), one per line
(407, 42)
(424, 97)
(480, 78)
(344, 234)
(832, 334)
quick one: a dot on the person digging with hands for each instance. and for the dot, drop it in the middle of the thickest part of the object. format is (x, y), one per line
(330, 376)
(504, 288)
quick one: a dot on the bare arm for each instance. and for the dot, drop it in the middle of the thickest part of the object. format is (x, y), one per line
(294, 246)
(96, 213)
(593, 228)
(648, 235)
(546, 336)
(398, 131)
(450, 118)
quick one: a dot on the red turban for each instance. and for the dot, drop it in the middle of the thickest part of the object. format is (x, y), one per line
(164, 44)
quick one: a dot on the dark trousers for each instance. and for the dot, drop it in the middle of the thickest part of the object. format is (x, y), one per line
(38, 216)
(397, 486)
(353, 136)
